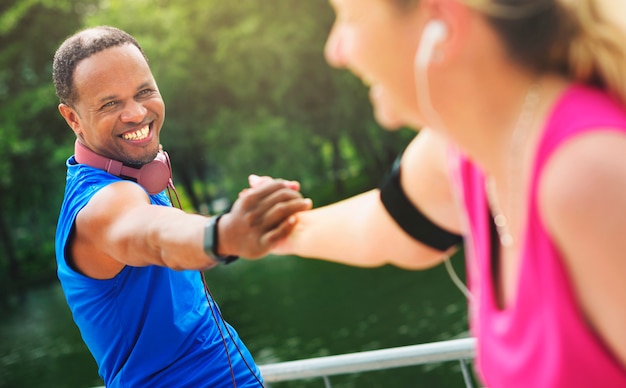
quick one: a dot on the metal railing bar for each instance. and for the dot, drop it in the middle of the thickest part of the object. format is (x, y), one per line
(457, 349)
(466, 373)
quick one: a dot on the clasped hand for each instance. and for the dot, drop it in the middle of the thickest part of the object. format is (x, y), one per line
(262, 216)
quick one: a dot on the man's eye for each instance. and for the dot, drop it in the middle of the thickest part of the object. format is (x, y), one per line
(109, 104)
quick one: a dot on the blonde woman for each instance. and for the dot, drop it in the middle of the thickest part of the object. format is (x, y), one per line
(524, 156)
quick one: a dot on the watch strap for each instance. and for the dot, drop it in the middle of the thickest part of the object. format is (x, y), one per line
(211, 241)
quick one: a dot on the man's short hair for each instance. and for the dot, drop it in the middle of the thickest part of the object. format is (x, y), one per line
(80, 46)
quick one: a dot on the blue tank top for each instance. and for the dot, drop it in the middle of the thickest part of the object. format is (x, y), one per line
(147, 326)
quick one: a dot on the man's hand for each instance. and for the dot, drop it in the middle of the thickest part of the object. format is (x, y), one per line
(262, 216)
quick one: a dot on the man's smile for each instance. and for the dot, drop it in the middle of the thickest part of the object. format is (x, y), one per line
(139, 134)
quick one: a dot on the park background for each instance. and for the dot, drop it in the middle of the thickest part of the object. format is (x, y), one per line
(246, 90)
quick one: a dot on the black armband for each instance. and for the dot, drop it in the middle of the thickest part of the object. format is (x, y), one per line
(411, 219)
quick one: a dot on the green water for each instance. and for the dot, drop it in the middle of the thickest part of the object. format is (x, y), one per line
(284, 308)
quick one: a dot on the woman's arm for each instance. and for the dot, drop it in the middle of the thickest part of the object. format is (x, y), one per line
(359, 231)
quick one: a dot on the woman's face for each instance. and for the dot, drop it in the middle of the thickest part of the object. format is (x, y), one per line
(377, 42)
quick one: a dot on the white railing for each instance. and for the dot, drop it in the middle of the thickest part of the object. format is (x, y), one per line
(460, 350)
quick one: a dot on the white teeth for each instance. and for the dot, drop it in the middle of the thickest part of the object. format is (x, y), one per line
(137, 135)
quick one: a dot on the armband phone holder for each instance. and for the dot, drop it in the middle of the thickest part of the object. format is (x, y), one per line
(409, 217)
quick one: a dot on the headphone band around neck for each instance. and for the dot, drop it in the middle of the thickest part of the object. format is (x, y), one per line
(154, 177)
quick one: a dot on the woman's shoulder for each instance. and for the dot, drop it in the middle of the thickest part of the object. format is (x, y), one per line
(580, 110)
(582, 157)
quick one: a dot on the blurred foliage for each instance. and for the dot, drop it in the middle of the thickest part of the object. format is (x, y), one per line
(246, 88)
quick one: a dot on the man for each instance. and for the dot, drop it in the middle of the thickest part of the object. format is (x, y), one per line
(130, 264)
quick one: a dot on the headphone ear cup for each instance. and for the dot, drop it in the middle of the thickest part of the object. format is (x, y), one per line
(155, 176)
(434, 32)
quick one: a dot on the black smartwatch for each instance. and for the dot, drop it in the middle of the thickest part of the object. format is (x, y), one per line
(211, 240)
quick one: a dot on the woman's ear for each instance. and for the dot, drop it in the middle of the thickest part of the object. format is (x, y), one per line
(71, 117)
(453, 15)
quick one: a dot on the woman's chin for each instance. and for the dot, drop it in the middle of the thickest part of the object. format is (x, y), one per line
(388, 120)
(385, 115)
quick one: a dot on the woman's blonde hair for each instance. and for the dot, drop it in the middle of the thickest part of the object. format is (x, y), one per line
(597, 51)
(582, 39)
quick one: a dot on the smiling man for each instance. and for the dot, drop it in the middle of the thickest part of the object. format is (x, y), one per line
(130, 264)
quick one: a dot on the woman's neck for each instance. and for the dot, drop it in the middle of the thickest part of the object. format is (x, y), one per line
(489, 125)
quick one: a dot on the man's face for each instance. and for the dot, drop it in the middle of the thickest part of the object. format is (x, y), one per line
(119, 111)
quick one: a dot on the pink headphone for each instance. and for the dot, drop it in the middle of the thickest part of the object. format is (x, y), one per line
(154, 177)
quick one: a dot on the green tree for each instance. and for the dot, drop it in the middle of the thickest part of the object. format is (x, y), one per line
(32, 139)
(246, 88)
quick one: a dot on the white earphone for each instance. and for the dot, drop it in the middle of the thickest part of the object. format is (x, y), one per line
(434, 32)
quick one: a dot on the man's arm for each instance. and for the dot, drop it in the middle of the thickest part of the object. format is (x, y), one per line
(120, 227)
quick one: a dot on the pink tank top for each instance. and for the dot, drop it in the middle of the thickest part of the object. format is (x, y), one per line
(541, 339)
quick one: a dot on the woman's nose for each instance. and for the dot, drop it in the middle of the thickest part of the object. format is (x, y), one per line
(334, 50)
